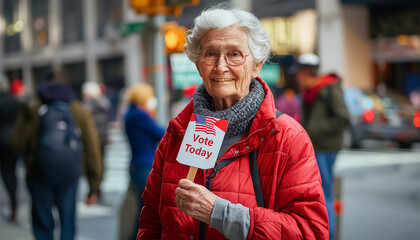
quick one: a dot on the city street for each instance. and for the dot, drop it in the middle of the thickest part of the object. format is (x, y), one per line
(380, 193)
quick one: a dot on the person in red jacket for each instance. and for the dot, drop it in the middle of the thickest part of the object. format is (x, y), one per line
(229, 47)
(325, 117)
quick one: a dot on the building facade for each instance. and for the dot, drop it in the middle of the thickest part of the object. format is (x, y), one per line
(79, 39)
(365, 41)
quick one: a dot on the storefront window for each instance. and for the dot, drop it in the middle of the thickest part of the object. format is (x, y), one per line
(39, 12)
(41, 74)
(390, 22)
(72, 20)
(109, 17)
(74, 75)
(112, 71)
(14, 26)
(13, 74)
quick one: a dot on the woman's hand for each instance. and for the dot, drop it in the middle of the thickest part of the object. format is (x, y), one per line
(194, 200)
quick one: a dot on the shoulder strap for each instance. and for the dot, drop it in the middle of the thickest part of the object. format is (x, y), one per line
(255, 174)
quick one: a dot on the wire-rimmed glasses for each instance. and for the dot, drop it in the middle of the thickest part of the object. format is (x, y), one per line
(232, 57)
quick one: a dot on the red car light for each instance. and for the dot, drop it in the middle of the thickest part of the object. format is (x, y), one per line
(416, 119)
(369, 115)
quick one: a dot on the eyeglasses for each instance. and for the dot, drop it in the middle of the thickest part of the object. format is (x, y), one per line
(232, 57)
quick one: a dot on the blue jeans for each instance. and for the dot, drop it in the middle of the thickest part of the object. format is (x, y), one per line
(326, 162)
(44, 197)
(139, 175)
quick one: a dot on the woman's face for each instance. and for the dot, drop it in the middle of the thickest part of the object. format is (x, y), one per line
(227, 84)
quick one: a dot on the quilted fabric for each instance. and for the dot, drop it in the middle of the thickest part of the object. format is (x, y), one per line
(295, 206)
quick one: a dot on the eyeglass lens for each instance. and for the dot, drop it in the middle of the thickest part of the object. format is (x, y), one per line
(233, 57)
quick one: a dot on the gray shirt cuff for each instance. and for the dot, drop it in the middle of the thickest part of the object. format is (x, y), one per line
(232, 220)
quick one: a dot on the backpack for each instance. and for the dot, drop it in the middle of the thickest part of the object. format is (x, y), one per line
(59, 153)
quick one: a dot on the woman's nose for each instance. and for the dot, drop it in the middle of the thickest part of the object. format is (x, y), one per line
(221, 64)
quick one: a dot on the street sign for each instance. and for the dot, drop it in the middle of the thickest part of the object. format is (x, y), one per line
(127, 28)
(270, 73)
(184, 72)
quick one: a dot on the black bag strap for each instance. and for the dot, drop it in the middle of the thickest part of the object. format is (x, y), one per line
(255, 174)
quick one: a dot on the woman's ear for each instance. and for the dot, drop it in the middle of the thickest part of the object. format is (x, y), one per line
(256, 69)
(197, 65)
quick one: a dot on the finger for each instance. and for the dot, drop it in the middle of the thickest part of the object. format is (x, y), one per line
(185, 183)
(181, 202)
(182, 193)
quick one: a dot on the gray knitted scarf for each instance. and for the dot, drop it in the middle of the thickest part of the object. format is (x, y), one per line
(239, 115)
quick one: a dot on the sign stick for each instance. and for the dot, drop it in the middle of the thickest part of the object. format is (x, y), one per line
(191, 173)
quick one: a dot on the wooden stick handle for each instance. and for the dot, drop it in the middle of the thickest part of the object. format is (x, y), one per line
(191, 173)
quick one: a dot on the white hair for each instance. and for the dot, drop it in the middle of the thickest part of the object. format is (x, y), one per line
(222, 16)
(92, 89)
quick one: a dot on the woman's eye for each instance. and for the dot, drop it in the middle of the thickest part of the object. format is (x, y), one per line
(210, 54)
(234, 54)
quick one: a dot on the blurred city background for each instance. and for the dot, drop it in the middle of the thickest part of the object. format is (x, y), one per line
(373, 45)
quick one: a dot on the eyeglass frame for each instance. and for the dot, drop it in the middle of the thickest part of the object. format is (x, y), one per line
(225, 57)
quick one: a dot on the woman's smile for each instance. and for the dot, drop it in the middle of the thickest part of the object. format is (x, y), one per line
(222, 79)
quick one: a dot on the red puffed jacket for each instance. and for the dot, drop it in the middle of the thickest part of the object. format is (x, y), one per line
(291, 184)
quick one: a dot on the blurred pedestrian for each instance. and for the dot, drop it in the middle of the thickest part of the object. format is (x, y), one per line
(98, 105)
(325, 117)
(26, 102)
(289, 103)
(143, 134)
(62, 140)
(265, 183)
(8, 157)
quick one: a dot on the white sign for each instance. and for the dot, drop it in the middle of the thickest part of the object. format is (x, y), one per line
(202, 141)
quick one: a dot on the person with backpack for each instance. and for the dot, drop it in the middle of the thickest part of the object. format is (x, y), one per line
(265, 183)
(325, 117)
(62, 143)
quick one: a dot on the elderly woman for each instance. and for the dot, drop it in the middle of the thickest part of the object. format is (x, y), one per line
(229, 48)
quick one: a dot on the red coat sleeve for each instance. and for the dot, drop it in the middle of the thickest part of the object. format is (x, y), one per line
(299, 210)
(150, 226)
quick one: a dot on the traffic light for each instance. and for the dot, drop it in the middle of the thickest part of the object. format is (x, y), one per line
(154, 7)
(140, 3)
(174, 36)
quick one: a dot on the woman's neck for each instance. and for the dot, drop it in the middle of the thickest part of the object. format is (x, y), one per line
(223, 104)
(239, 115)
